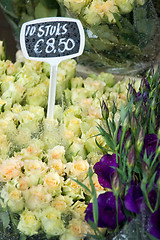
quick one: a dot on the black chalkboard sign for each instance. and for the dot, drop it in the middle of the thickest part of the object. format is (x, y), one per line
(51, 39)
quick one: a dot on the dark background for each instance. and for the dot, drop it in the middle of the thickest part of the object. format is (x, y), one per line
(7, 36)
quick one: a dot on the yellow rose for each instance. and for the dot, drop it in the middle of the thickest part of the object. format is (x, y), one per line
(28, 224)
(76, 5)
(36, 197)
(10, 168)
(51, 222)
(125, 6)
(53, 182)
(78, 168)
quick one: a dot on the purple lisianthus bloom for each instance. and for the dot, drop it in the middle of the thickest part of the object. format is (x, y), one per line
(154, 224)
(107, 211)
(104, 169)
(134, 198)
(150, 144)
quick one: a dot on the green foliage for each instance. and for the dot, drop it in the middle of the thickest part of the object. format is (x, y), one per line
(19, 11)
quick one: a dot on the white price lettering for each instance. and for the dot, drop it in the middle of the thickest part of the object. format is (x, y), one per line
(66, 44)
(50, 45)
(36, 47)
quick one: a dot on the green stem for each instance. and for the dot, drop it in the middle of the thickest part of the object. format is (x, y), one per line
(109, 130)
(121, 145)
(148, 202)
(117, 213)
(155, 158)
(158, 200)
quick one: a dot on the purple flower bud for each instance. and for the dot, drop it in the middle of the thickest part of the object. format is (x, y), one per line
(145, 83)
(128, 143)
(153, 104)
(104, 110)
(125, 125)
(119, 133)
(131, 161)
(115, 183)
(145, 168)
(139, 143)
(133, 124)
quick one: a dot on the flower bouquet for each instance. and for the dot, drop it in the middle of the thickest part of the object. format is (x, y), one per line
(129, 171)
(121, 36)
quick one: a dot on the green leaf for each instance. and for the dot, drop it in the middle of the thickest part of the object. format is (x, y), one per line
(151, 182)
(123, 113)
(23, 237)
(98, 235)
(119, 171)
(156, 75)
(41, 11)
(151, 237)
(7, 7)
(112, 126)
(2, 108)
(94, 196)
(50, 3)
(5, 218)
(106, 137)
(102, 148)
(82, 185)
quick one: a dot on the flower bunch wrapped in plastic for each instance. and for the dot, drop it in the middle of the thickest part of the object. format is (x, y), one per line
(130, 168)
(120, 34)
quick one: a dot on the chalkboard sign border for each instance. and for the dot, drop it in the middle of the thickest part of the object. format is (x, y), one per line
(52, 60)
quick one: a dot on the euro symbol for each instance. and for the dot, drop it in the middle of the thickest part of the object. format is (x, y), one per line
(37, 45)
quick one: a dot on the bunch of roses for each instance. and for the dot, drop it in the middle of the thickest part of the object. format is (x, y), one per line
(131, 175)
(99, 11)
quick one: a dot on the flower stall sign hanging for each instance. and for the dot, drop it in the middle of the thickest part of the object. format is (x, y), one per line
(52, 40)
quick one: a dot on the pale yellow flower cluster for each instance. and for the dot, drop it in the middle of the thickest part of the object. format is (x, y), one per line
(39, 157)
(98, 11)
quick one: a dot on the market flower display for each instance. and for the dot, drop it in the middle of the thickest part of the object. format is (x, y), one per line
(41, 158)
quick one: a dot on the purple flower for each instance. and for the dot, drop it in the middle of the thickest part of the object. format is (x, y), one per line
(146, 84)
(104, 169)
(154, 224)
(107, 211)
(150, 144)
(104, 110)
(134, 198)
(119, 133)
